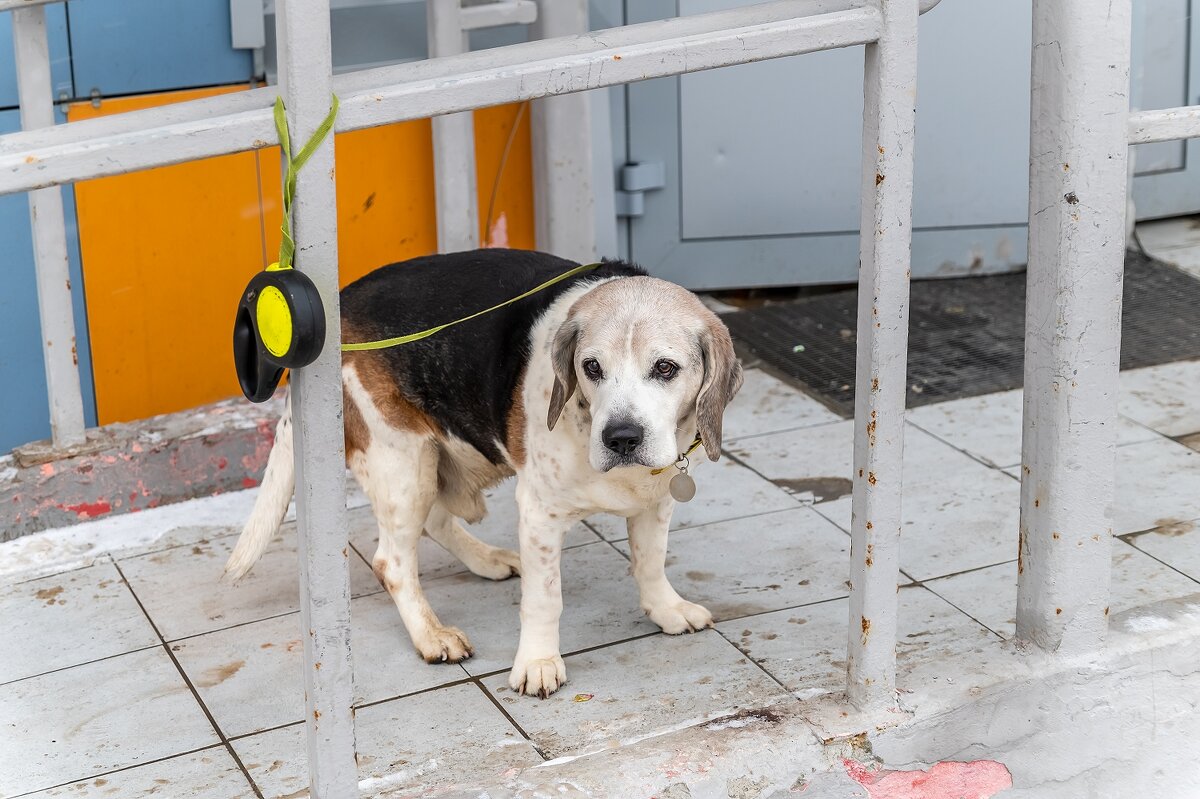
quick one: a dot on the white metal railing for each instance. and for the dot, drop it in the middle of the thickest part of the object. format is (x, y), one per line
(1081, 127)
(35, 92)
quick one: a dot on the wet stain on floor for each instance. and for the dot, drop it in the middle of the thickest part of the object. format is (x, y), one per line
(823, 489)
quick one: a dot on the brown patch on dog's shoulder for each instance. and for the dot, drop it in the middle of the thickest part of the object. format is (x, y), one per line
(514, 435)
(358, 435)
(388, 396)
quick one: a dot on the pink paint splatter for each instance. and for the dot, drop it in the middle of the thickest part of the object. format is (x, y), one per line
(47, 470)
(89, 510)
(978, 779)
(498, 235)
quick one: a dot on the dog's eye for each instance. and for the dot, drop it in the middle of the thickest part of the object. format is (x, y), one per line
(665, 369)
(591, 368)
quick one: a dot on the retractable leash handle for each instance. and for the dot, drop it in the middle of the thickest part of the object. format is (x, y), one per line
(280, 322)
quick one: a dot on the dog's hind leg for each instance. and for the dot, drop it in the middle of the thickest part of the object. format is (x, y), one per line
(398, 472)
(482, 559)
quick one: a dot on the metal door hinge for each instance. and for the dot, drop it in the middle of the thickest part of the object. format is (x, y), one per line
(636, 180)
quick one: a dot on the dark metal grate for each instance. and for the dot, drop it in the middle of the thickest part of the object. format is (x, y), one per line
(966, 336)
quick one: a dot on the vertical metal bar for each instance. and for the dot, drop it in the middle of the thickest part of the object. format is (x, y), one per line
(36, 91)
(305, 75)
(453, 142)
(563, 196)
(1077, 177)
(889, 119)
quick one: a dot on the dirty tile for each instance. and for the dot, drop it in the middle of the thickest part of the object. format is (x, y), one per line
(1176, 543)
(87, 720)
(813, 463)
(1163, 397)
(805, 648)
(990, 594)
(498, 528)
(417, 743)
(250, 676)
(67, 619)
(763, 563)
(724, 490)
(184, 594)
(637, 688)
(207, 774)
(957, 513)
(1158, 484)
(766, 404)
(989, 427)
(600, 605)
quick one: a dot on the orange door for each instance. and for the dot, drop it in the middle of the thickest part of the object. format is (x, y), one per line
(167, 252)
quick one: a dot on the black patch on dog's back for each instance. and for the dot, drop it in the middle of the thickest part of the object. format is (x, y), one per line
(464, 376)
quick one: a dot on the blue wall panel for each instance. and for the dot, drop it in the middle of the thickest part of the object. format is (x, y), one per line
(60, 56)
(24, 414)
(133, 46)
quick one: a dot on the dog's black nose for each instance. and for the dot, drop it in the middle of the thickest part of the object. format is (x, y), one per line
(622, 437)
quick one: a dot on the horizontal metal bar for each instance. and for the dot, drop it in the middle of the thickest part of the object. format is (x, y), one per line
(8, 5)
(1168, 124)
(242, 120)
(502, 12)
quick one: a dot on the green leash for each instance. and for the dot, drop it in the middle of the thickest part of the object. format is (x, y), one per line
(411, 337)
(287, 246)
(280, 321)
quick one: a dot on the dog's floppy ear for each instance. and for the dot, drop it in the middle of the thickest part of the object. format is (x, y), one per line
(722, 379)
(562, 357)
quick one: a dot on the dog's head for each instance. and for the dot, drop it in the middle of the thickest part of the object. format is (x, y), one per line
(651, 364)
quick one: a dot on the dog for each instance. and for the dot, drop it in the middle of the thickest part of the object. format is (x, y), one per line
(589, 391)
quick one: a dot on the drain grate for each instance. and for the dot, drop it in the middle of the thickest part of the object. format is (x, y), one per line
(966, 336)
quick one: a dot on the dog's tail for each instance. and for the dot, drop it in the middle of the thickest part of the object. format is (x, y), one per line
(278, 485)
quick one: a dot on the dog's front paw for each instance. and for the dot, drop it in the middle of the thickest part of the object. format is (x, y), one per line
(540, 677)
(444, 645)
(499, 564)
(680, 617)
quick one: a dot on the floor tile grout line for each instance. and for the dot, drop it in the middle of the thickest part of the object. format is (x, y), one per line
(466, 678)
(690, 527)
(191, 687)
(785, 430)
(758, 613)
(963, 612)
(585, 650)
(750, 658)
(479, 683)
(275, 728)
(78, 665)
(923, 580)
(941, 439)
(130, 767)
(1152, 556)
(100, 559)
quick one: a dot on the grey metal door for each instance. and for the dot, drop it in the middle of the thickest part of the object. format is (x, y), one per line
(749, 176)
(1166, 73)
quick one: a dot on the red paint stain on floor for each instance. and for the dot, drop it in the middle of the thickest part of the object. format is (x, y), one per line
(90, 510)
(978, 779)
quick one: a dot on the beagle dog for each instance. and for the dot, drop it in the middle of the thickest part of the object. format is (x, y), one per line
(589, 391)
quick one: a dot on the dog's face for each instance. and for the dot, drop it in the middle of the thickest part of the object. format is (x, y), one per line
(651, 364)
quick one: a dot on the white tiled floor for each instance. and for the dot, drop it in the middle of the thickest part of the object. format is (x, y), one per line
(212, 706)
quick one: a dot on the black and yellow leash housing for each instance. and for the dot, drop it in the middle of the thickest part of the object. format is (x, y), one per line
(280, 325)
(280, 321)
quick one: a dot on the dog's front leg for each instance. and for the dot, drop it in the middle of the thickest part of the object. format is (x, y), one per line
(538, 668)
(648, 548)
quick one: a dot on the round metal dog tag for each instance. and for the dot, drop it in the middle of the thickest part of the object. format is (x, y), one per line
(682, 487)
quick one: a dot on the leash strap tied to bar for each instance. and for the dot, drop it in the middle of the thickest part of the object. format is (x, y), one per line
(411, 337)
(293, 163)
